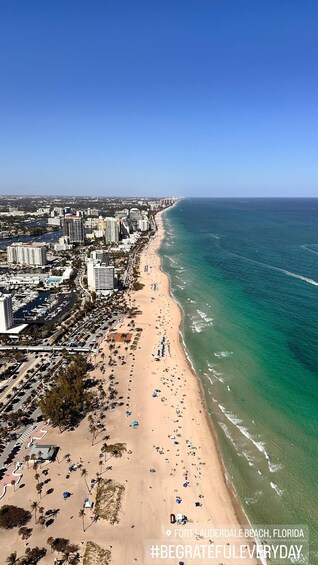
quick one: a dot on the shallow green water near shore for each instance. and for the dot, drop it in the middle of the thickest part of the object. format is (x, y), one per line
(246, 275)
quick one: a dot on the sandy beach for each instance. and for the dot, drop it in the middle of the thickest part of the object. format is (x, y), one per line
(170, 454)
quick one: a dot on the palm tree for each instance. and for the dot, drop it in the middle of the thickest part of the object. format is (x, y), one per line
(93, 431)
(69, 552)
(50, 541)
(84, 474)
(116, 449)
(39, 488)
(42, 521)
(101, 463)
(13, 484)
(82, 515)
(104, 450)
(34, 507)
(12, 559)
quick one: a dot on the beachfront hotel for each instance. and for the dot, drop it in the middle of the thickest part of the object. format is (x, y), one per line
(100, 277)
(143, 224)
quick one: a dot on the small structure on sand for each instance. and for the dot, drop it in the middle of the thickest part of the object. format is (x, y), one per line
(117, 336)
(43, 452)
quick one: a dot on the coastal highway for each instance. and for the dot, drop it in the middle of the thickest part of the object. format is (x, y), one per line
(45, 348)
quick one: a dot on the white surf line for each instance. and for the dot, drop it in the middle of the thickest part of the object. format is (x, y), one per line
(272, 267)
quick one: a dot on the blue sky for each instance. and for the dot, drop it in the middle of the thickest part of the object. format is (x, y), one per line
(201, 97)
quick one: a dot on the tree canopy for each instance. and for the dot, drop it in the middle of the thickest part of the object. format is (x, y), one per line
(13, 516)
(65, 402)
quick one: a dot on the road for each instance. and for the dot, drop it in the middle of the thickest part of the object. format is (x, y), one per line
(30, 364)
(45, 348)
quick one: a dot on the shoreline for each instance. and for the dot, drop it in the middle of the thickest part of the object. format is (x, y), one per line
(237, 506)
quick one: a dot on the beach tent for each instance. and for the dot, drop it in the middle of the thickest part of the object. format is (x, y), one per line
(135, 423)
(181, 518)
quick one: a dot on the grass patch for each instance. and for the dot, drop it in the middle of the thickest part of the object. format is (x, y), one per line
(108, 500)
(96, 555)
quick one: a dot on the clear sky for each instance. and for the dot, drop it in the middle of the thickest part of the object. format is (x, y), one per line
(201, 97)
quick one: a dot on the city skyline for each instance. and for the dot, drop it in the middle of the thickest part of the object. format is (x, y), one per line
(120, 98)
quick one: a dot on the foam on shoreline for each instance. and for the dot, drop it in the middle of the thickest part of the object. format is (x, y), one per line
(236, 503)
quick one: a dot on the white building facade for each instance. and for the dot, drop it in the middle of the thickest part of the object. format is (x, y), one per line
(143, 225)
(100, 277)
(26, 254)
(111, 230)
(6, 312)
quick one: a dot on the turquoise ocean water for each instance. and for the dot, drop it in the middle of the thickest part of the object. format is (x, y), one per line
(245, 272)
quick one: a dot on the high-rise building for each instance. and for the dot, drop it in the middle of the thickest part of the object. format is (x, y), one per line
(134, 217)
(111, 230)
(125, 227)
(135, 214)
(73, 228)
(101, 226)
(143, 224)
(100, 277)
(100, 255)
(6, 312)
(27, 254)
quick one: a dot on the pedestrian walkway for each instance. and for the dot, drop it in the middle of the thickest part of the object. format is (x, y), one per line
(14, 471)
